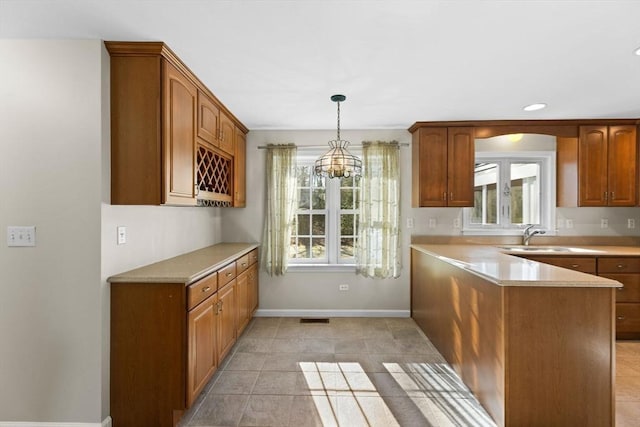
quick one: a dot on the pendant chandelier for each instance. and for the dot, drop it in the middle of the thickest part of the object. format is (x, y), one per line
(338, 162)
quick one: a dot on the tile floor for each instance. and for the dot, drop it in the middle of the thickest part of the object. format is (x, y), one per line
(628, 384)
(356, 372)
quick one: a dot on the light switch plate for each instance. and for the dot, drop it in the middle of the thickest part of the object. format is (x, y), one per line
(21, 235)
(122, 235)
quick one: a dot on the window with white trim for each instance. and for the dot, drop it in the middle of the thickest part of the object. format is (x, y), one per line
(511, 191)
(325, 226)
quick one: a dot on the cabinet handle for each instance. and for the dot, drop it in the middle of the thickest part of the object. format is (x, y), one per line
(620, 289)
(244, 264)
(220, 304)
(197, 189)
(620, 317)
(451, 196)
(229, 274)
(575, 265)
(613, 196)
(206, 289)
(444, 196)
(217, 309)
(621, 265)
(605, 196)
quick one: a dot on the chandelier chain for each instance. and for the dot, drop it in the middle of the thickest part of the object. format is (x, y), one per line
(338, 120)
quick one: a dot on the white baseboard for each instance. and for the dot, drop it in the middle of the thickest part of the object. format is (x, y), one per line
(105, 423)
(332, 313)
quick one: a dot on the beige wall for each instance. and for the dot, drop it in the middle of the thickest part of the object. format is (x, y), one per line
(54, 300)
(317, 292)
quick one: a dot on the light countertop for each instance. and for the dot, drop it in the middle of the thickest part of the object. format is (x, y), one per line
(186, 268)
(499, 266)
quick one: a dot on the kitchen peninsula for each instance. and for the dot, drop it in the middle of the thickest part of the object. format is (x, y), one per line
(534, 342)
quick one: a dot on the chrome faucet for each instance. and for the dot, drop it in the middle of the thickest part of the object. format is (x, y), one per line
(529, 233)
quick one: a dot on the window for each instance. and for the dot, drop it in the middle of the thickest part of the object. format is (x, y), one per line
(508, 192)
(326, 221)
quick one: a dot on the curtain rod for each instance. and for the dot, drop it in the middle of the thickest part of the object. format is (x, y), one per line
(299, 147)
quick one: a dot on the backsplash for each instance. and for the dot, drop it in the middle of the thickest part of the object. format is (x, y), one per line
(569, 221)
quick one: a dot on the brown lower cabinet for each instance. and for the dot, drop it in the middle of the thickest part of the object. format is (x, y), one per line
(625, 270)
(168, 339)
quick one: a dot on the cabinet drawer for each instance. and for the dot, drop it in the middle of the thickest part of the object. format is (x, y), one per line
(201, 290)
(630, 292)
(585, 265)
(242, 264)
(226, 274)
(253, 256)
(619, 265)
(627, 317)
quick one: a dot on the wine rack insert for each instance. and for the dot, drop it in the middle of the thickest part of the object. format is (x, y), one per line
(214, 176)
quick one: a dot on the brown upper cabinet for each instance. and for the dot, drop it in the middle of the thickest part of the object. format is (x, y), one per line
(607, 166)
(443, 163)
(597, 160)
(172, 141)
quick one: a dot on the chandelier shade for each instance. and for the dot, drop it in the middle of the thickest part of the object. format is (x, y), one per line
(338, 162)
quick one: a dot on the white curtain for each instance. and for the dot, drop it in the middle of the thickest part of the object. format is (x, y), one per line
(378, 248)
(281, 205)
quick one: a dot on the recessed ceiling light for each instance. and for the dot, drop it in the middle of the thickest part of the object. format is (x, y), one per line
(637, 51)
(535, 107)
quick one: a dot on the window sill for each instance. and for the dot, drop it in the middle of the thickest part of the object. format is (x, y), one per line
(321, 268)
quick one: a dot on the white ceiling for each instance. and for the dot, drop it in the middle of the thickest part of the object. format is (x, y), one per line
(275, 64)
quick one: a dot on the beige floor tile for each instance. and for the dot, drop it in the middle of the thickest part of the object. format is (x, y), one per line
(219, 410)
(254, 345)
(234, 382)
(628, 388)
(306, 413)
(240, 361)
(291, 361)
(262, 410)
(627, 414)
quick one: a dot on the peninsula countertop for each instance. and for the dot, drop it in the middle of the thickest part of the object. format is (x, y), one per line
(188, 267)
(500, 266)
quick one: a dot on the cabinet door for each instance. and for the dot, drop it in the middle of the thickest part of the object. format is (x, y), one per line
(592, 166)
(242, 301)
(208, 114)
(460, 166)
(227, 133)
(239, 170)
(253, 289)
(226, 318)
(622, 151)
(201, 351)
(179, 124)
(429, 165)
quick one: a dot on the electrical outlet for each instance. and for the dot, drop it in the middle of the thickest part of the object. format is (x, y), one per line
(604, 223)
(343, 287)
(122, 235)
(568, 223)
(410, 223)
(432, 223)
(631, 223)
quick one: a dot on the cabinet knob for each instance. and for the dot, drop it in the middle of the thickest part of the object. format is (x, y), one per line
(621, 318)
(244, 264)
(621, 266)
